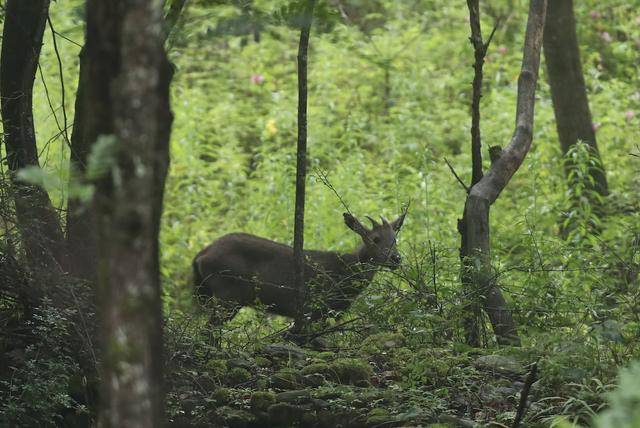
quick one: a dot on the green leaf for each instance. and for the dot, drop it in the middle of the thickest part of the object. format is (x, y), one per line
(102, 157)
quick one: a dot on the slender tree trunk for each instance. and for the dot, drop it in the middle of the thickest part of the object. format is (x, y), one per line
(474, 226)
(568, 91)
(37, 219)
(301, 168)
(130, 74)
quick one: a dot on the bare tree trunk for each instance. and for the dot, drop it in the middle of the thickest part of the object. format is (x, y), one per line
(130, 73)
(568, 91)
(37, 219)
(474, 226)
(301, 168)
(92, 119)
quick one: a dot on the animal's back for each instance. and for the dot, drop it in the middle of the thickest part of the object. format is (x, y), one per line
(239, 265)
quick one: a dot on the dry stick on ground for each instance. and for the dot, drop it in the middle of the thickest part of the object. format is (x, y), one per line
(474, 226)
(301, 165)
(522, 407)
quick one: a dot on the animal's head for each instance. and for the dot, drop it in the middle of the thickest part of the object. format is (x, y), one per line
(379, 241)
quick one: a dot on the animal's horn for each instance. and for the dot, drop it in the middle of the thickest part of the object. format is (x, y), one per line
(373, 222)
(384, 221)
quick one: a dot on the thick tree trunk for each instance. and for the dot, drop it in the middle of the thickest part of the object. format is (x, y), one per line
(81, 230)
(129, 74)
(37, 219)
(92, 118)
(568, 91)
(474, 226)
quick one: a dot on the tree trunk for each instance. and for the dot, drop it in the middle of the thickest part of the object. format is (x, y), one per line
(568, 91)
(92, 118)
(474, 226)
(301, 168)
(81, 239)
(129, 75)
(37, 219)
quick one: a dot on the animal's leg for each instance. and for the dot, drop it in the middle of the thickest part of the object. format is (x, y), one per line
(219, 313)
(222, 312)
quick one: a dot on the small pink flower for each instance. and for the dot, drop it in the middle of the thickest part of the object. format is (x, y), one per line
(596, 126)
(502, 50)
(594, 14)
(257, 79)
(606, 37)
(629, 114)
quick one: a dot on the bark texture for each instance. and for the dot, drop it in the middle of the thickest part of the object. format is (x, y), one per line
(37, 219)
(129, 75)
(81, 229)
(568, 90)
(478, 275)
(93, 117)
(301, 166)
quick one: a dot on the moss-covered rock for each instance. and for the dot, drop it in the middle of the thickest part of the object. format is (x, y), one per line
(382, 342)
(287, 378)
(499, 363)
(297, 396)
(221, 395)
(326, 355)
(237, 375)
(217, 368)
(285, 414)
(351, 371)
(261, 400)
(235, 418)
(378, 416)
(316, 374)
(263, 362)
(315, 368)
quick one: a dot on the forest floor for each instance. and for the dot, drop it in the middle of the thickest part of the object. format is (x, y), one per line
(379, 382)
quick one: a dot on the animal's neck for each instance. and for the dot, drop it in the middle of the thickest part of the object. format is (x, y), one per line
(358, 262)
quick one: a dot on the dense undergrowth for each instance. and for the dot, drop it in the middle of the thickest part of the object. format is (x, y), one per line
(389, 101)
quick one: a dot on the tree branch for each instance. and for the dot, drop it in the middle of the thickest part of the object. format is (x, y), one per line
(453, 171)
(500, 173)
(479, 53)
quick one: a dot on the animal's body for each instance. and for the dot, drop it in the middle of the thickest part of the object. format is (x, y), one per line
(239, 269)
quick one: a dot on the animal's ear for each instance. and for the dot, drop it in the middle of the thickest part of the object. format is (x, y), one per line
(397, 223)
(355, 225)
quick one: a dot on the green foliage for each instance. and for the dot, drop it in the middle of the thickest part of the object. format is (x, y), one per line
(583, 217)
(624, 401)
(38, 388)
(102, 157)
(389, 92)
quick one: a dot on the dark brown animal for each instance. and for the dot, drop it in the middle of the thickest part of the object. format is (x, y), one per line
(245, 270)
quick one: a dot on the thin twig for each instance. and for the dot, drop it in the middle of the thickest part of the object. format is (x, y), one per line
(453, 171)
(62, 91)
(324, 179)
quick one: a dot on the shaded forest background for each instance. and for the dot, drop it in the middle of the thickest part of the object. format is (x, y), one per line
(389, 99)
